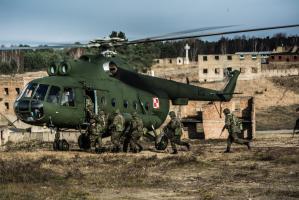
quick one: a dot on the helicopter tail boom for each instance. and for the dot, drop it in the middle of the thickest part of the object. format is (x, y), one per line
(179, 93)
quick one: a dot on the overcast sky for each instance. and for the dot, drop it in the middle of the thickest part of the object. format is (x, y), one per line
(82, 20)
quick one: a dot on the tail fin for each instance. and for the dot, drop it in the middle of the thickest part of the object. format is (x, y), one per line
(229, 89)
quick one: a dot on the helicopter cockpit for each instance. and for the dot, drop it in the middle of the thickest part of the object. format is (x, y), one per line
(29, 106)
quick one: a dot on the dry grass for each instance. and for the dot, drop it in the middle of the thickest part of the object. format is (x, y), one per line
(269, 171)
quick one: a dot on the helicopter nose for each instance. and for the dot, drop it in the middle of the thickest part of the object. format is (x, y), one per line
(29, 111)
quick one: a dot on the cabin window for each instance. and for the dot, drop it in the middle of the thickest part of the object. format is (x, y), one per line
(29, 90)
(103, 100)
(53, 96)
(126, 103)
(113, 102)
(68, 97)
(41, 92)
(135, 105)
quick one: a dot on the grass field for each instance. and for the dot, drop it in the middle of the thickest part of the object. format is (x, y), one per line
(269, 171)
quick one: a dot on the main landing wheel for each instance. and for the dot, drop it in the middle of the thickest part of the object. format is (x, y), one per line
(61, 145)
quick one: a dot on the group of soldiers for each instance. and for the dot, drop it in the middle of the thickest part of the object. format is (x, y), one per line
(100, 124)
(127, 136)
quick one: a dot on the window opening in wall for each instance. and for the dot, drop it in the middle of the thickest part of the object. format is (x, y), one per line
(242, 70)
(279, 57)
(229, 57)
(18, 91)
(205, 58)
(217, 71)
(295, 57)
(216, 57)
(254, 70)
(205, 71)
(241, 57)
(158, 61)
(272, 57)
(6, 92)
(253, 56)
(170, 61)
(6, 104)
(288, 60)
(2, 135)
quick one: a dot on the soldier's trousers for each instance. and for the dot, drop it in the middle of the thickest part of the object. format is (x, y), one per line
(233, 138)
(134, 142)
(115, 139)
(177, 140)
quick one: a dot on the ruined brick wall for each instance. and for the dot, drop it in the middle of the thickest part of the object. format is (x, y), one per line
(213, 118)
(11, 87)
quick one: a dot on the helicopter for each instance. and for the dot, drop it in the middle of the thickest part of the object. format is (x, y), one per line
(58, 101)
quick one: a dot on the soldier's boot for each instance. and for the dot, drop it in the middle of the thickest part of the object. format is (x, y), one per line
(140, 147)
(174, 151)
(248, 145)
(227, 150)
(188, 146)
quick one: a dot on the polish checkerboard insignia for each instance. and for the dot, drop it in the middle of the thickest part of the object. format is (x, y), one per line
(156, 104)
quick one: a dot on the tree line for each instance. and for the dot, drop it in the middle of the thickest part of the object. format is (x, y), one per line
(141, 56)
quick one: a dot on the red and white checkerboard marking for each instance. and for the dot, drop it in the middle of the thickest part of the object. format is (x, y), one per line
(156, 104)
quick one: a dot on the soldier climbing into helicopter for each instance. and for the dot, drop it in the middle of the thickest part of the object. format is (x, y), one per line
(173, 131)
(233, 126)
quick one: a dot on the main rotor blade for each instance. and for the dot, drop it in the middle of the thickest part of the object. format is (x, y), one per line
(43, 47)
(211, 34)
(185, 32)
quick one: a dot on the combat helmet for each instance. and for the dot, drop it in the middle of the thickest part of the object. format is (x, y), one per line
(226, 111)
(172, 114)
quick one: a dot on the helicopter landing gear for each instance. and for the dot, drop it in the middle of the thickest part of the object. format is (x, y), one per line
(162, 142)
(60, 145)
(84, 142)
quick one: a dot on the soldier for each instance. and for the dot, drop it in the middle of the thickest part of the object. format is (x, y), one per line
(233, 127)
(174, 132)
(116, 127)
(101, 126)
(134, 134)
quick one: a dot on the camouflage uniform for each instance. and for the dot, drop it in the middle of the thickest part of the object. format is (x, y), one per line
(135, 133)
(233, 130)
(117, 128)
(98, 128)
(174, 132)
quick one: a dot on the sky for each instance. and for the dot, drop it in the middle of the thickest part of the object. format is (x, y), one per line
(66, 21)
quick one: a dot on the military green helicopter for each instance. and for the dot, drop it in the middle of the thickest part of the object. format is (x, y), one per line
(59, 100)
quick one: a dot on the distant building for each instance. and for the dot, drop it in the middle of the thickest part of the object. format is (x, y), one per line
(210, 68)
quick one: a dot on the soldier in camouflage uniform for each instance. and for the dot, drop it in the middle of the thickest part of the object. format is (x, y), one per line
(135, 133)
(174, 132)
(99, 130)
(233, 128)
(116, 128)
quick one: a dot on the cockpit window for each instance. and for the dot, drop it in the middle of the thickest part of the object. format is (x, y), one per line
(53, 96)
(28, 92)
(41, 92)
(68, 97)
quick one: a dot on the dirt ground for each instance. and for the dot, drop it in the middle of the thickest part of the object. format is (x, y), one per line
(269, 171)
